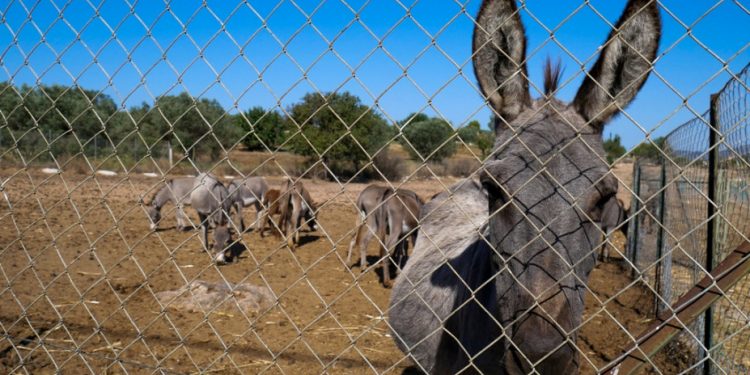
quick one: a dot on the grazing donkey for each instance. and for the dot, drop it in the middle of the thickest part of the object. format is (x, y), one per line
(271, 206)
(295, 205)
(244, 192)
(497, 279)
(614, 218)
(176, 191)
(207, 196)
(393, 218)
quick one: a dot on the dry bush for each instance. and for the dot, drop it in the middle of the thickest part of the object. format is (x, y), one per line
(266, 163)
(461, 167)
(390, 165)
(430, 170)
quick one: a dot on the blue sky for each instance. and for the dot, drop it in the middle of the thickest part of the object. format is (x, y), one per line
(405, 55)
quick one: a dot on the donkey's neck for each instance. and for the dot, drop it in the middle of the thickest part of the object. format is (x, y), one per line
(163, 196)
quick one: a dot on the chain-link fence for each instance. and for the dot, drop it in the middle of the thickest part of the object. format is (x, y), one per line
(374, 143)
(672, 216)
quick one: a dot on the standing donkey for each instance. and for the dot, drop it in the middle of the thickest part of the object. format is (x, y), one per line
(497, 279)
(247, 191)
(393, 218)
(614, 217)
(270, 205)
(295, 205)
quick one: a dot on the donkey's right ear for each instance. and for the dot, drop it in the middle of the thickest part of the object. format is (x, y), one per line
(499, 54)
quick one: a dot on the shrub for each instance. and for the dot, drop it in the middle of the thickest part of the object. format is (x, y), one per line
(391, 166)
(431, 139)
(485, 142)
(470, 132)
(462, 167)
(338, 127)
(262, 129)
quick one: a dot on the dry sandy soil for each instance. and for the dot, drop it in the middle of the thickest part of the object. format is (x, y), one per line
(79, 271)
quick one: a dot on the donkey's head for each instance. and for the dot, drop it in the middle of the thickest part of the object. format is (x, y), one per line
(222, 240)
(548, 178)
(154, 215)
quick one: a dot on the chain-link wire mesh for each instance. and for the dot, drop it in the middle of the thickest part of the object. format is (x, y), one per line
(668, 242)
(133, 135)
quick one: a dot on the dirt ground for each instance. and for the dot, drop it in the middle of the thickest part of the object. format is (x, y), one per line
(80, 270)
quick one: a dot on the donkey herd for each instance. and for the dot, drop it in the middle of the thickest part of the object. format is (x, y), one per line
(391, 215)
(496, 280)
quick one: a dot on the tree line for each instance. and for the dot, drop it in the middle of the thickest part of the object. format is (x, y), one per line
(45, 121)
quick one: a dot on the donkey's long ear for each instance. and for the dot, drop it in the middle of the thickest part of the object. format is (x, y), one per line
(623, 65)
(499, 50)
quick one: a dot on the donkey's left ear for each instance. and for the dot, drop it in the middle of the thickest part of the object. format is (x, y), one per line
(623, 65)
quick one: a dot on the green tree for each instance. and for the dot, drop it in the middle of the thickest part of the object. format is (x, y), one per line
(470, 132)
(198, 127)
(55, 120)
(263, 129)
(649, 149)
(339, 128)
(412, 118)
(431, 138)
(134, 135)
(613, 148)
(485, 141)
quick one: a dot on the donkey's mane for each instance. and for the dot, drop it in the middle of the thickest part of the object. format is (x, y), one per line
(552, 74)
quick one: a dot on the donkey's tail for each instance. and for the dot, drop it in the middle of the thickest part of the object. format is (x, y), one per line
(381, 212)
(285, 203)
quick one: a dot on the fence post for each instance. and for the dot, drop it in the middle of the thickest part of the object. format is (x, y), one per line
(661, 266)
(713, 154)
(635, 205)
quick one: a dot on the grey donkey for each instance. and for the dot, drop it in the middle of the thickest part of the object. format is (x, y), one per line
(614, 218)
(245, 192)
(393, 218)
(210, 199)
(497, 279)
(295, 208)
(176, 191)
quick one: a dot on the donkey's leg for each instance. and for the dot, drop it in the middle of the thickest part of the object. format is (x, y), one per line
(390, 248)
(293, 224)
(263, 216)
(239, 213)
(181, 217)
(357, 236)
(369, 230)
(204, 229)
(399, 257)
(354, 240)
(394, 235)
(289, 226)
(258, 209)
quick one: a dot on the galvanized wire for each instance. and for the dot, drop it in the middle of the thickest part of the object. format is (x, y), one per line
(71, 233)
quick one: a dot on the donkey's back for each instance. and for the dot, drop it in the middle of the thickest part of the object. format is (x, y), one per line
(448, 256)
(210, 197)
